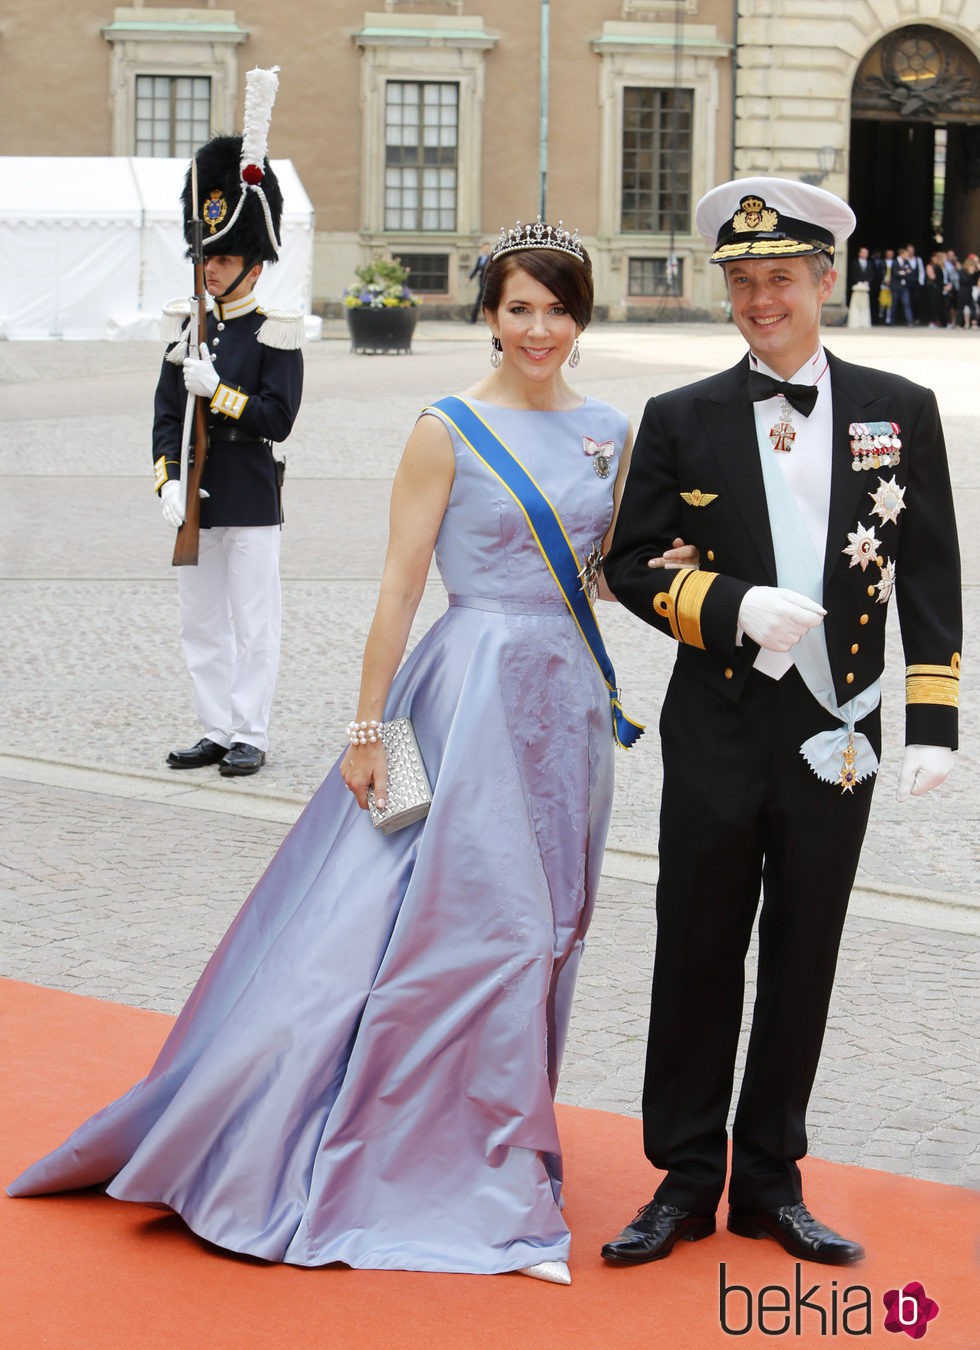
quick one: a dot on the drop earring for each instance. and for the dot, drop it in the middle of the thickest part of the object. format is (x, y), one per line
(496, 353)
(575, 356)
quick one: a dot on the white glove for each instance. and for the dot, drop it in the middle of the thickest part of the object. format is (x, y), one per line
(171, 506)
(170, 503)
(923, 768)
(777, 618)
(200, 377)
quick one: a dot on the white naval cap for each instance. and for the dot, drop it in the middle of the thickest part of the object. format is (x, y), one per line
(772, 218)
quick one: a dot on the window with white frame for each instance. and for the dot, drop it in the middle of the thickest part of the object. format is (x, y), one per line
(173, 114)
(173, 77)
(656, 160)
(421, 155)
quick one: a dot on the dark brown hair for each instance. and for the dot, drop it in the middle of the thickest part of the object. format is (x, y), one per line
(567, 277)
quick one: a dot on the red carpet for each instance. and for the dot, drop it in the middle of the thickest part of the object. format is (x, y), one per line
(84, 1272)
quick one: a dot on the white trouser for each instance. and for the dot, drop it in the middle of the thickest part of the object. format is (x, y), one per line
(230, 630)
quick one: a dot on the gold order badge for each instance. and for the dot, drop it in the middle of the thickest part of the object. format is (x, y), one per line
(215, 209)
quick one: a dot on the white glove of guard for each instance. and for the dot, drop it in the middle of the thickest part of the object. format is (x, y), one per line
(923, 768)
(171, 506)
(170, 503)
(200, 377)
(776, 618)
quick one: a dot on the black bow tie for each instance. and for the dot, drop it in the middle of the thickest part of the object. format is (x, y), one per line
(803, 397)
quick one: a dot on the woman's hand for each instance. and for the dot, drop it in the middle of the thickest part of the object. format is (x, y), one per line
(365, 766)
(679, 555)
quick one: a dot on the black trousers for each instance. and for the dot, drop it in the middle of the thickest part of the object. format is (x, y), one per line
(742, 812)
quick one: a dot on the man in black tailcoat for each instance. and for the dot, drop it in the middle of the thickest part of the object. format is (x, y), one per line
(814, 489)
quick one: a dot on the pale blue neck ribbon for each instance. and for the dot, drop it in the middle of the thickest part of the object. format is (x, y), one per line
(799, 569)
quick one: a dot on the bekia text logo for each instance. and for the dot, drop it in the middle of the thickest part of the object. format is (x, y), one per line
(909, 1310)
(832, 1309)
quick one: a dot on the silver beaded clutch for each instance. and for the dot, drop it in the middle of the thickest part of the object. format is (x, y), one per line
(409, 792)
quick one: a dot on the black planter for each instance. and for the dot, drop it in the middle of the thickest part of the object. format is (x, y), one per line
(382, 330)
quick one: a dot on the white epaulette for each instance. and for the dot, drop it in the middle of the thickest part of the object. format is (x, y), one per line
(173, 326)
(283, 328)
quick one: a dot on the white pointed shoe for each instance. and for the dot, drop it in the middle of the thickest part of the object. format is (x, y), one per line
(555, 1272)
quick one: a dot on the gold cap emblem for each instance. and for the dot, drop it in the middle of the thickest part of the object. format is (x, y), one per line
(754, 215)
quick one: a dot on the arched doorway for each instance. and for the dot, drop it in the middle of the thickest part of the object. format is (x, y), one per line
(915, 143)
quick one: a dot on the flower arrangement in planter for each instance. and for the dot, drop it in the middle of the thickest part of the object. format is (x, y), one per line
(381, 309)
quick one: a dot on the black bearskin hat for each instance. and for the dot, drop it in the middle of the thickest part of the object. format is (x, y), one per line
(241, 205)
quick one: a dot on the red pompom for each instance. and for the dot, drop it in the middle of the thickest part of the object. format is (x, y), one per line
(252, 174)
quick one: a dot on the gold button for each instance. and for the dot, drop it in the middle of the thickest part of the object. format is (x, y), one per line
(864, 618)
(729, 672)
(880, 561)
(850, 677)
(871, 590)
(710, 555)
(855, 649)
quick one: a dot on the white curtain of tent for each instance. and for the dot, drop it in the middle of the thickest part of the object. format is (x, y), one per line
(69, 245)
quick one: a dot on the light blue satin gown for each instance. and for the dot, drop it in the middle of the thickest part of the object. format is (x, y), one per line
(365, 1071)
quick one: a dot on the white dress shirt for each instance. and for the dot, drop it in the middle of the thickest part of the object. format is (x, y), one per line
(807, 466)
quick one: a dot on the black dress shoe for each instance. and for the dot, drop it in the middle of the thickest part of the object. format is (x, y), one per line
(652, 1234)
(240, 760)
(795, 1228)
(205, 752)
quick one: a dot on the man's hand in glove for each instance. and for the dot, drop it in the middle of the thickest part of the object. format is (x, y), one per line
(776, 618)
(923, 768)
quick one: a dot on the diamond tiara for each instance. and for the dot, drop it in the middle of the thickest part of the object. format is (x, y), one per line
(538, 235)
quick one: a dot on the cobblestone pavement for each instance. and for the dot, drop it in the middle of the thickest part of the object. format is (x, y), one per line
(119, 876)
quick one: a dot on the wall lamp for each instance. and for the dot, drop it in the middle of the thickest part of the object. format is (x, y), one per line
(827, 160)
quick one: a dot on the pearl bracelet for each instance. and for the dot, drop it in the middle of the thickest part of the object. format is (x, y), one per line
(363, 733)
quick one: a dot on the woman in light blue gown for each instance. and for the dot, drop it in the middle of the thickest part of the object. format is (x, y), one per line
(365, 1072)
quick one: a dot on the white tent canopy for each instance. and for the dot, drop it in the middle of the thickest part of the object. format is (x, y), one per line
(93, 248)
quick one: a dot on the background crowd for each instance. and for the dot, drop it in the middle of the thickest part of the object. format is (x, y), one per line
(902, 287)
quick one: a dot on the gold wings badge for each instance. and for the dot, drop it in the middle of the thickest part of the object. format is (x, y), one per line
(699, 498)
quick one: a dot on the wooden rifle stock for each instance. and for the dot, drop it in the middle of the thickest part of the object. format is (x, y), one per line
(188, 538)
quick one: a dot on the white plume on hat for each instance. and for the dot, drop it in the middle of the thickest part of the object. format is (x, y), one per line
(261, 87)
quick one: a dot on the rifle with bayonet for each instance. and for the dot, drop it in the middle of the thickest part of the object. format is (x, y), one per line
(194, 439)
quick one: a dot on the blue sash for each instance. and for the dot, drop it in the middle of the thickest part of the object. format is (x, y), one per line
(550, 537)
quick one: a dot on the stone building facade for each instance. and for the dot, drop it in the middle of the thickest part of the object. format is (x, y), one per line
(878, 99)
(419, 128)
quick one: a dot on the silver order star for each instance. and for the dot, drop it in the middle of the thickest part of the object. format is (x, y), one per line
(886, 584)
(862, 546)
(889, 500)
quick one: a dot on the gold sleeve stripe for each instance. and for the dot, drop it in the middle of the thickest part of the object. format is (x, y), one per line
(663, 603)
(681, 605)
(950, 672)
(936, 689)
(160, 470)
(231, 402)
(689, 601)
